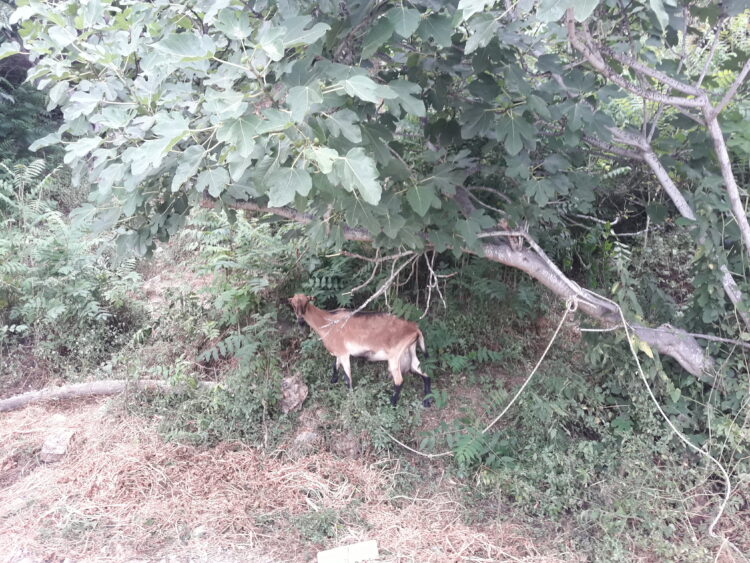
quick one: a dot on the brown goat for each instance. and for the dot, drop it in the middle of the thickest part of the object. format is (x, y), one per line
(374, 336)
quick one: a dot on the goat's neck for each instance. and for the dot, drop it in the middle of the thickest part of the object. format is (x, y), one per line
(316, 318)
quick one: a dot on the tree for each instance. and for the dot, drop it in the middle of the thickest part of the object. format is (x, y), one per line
(466, 127)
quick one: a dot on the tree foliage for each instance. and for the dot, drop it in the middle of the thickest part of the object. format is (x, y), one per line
(413, 125)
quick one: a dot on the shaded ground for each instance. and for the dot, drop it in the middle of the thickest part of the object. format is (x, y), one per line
(121, 493)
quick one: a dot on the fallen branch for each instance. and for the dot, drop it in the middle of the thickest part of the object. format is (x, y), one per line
(89, 389)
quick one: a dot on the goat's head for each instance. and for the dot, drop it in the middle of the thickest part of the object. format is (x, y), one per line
(299, 303)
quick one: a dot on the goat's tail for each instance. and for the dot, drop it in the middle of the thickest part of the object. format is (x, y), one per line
(422, 347)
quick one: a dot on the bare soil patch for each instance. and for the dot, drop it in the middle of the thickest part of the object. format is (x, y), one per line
(122, 493)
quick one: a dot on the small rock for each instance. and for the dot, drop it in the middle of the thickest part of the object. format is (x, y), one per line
(56, 445)
(293, 393)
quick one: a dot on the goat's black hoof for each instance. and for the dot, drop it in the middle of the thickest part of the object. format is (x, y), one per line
(428, 402)
(335, 379)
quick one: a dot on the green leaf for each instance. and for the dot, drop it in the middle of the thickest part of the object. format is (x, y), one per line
(46, 141)
(657, 6)
(483, 30)
(239, 133)
(106, 220)
(271, 41)
(555, 163)
(235, 24)
(357, 171)
(187, 46)
(80, 148)
(9, 48)
(224, 104)
(513, 130)
(539, 106)
(470, 7)
(107, 177)
(215, 179)
(405, 91)
(393, 225)
(300, 99)
(171, 126)
(82, 103)
(324, 157)
(405, 20)
(23, 13)
(376, 138)
(237, 164)
(421, 198)
(284, 183)
(342, 123)
(553, 10)
(378, 34)
(437, 27)
(275, 121)
(582, 9)
(189, 162)
(61, 36)
(362, 87)
(296, 34)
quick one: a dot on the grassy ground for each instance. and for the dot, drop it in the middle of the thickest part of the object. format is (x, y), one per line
(122, 493)
(222, 476)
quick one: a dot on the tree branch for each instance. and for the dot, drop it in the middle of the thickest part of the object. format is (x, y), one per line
(597, 61)
(653, 73)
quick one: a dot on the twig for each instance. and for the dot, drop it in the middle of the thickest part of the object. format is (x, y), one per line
(377, 258)
(480, 202)
(493, 191)
(434, 282)
(386, 284)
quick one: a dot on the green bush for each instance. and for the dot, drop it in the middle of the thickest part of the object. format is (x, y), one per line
(60, 288)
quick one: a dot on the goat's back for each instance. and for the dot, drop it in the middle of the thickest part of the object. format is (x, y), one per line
(367, 331)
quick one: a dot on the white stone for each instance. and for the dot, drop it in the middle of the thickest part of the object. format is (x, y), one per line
(56, 445)
(362, 551)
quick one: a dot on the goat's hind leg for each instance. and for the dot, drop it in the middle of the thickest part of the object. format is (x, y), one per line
(426, 381)
(335, 373)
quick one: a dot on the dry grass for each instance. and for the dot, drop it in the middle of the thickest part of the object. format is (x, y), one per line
(122, 493)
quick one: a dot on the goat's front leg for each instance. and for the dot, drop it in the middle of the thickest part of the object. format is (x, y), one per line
(335, 374)
(344, 363)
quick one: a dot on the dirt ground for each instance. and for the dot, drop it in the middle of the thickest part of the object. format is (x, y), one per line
(122, 494)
